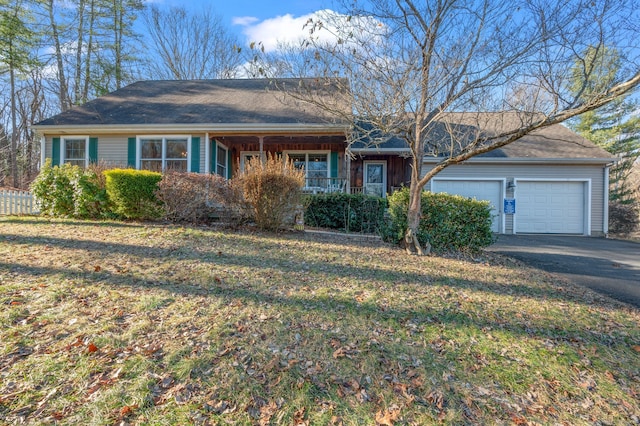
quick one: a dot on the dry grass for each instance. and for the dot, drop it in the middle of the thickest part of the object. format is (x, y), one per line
(111, 323)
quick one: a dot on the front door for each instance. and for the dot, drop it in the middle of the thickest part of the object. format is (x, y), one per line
(375, 178)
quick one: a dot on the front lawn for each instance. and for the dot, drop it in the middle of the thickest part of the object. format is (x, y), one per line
(115, 323)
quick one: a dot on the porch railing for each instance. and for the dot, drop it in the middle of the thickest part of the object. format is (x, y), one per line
(324, 185)
(17, 203)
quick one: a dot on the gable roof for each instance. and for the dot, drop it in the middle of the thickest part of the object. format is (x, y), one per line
(200, 102)
(555, 142)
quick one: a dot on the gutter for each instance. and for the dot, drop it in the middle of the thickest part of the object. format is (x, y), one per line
(236, 129)
(379, 150)
(523, 160)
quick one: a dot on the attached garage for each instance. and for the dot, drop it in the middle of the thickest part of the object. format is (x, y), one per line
(557, 181)
(552, 207)
(486, 190)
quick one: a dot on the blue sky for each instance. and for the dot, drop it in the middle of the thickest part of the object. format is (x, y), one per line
(259, 20)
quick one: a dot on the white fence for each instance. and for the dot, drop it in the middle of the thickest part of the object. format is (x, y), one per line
(17, 203)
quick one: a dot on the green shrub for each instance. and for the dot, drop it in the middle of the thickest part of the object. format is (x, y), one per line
(69, 191)
(449, 222)
(349, 212)
(133, 193)
(273, 188)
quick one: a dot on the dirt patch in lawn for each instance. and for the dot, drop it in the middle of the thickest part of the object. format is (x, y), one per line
(105, 323)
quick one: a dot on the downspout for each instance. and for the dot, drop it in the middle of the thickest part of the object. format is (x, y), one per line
(43, 147)
(605, 214)
(261, 141)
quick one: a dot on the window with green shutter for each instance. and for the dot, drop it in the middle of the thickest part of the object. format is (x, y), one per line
(55, 151)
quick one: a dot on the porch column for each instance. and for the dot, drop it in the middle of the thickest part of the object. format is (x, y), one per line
(43, 147)
(347, 160)
(261, 141)
(207, 154)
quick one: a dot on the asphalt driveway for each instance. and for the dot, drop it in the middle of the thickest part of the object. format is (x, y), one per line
(610, 267)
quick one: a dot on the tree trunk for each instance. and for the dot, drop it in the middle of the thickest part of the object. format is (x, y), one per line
(87, 69)
(14, 131)
(414, 213)
(79, 50)
(63, 93)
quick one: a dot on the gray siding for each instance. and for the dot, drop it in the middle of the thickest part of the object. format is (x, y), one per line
(113, 150)
(595, 173)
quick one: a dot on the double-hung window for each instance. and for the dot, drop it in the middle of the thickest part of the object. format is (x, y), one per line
(157, 153)
(315, 165)
(221, 160)
(75, 151)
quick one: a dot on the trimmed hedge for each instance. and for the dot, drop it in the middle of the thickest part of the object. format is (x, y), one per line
(449, 222)
(133, 193)
(348, 212)
(70, 191)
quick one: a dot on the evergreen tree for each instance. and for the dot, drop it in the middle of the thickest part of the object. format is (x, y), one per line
(17, 42)
(614, 127)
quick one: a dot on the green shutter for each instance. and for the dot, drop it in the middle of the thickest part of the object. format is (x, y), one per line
(93, 150)
(214, 153)
(229, 162)
(334, 165)
(131, 153)
(195, 155)
(55, 151)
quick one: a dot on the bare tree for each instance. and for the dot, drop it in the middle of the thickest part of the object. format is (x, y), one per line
(428, 72)
(190, 45)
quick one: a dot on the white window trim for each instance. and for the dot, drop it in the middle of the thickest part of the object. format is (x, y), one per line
(226, 159)
(164, 138)
(384, 174)
(328, 153)
(63, 148)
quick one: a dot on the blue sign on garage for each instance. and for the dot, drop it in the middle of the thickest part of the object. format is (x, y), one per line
(509, 206)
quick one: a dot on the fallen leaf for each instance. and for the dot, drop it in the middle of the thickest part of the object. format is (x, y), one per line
(388, 416)
(436, 398)
(336, 421)
(220, 407)
(298, 418)
(518, 420)
(339, 353)
(127, 409)
(91, 348)
(636, 348)
(97, 268)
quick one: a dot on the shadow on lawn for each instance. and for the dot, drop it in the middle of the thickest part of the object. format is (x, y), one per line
(448, 312)
(37, 220)
(451, 314)
(268, 261)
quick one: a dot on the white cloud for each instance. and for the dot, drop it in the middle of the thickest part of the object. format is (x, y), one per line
(244, 21)
(288, 29)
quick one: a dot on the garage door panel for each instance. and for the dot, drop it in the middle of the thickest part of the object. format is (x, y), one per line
(489, 190)
(550, 207)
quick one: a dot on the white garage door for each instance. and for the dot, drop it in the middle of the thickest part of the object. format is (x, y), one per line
(550, 207)
(489, 190)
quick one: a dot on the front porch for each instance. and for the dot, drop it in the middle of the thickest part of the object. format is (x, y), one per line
(329, 166)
